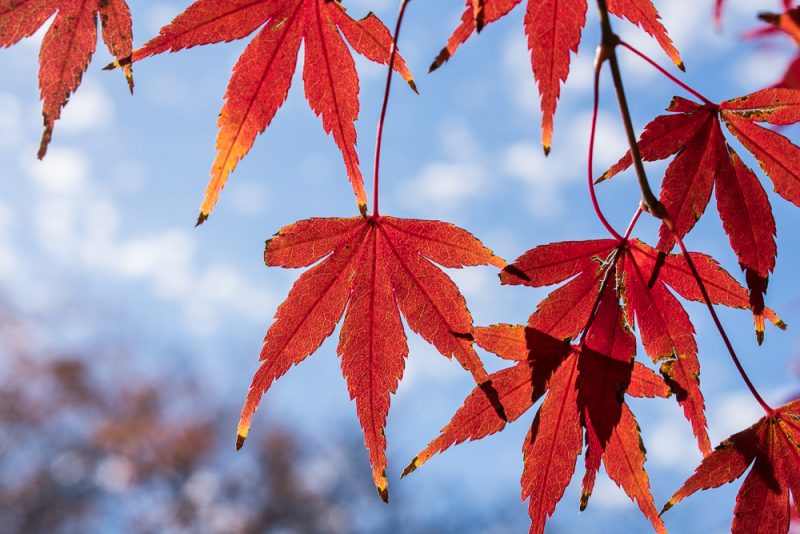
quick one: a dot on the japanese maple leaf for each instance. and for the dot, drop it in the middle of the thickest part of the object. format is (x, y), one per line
(67, 46)
(787, 22)
(584, 386)
(704, 161)
(645, 278)
(553, 29)
(771, 446)
(372, 270)
(719, 4)
(262, 75)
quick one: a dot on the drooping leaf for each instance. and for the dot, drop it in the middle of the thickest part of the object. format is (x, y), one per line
(553, 29)
(67, 46)
(372, 270)
(262, 75)
(584, 387)
(646, 278)
(788, 21)
(704, 161)
(771, 447)
(626, 283)
(667, 335)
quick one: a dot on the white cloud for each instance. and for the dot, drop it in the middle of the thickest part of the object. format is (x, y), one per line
(517, 63)
(76, 223)
(159, 16)
(670, 443)
(546, 177)
(11, 268)
(763, 67)
(370, 5)
(607, 495)
(442, 186)
(64, 170)
(249, 198)
(425, 366)
(90, 108)
(732, 413)
(10, 120)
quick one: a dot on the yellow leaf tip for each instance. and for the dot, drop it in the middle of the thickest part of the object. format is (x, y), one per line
(498, 262)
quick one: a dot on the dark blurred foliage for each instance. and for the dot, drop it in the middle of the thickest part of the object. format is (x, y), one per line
(88, 450)
(90, 445)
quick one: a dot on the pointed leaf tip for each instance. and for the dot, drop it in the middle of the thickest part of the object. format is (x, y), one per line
(240, 441)
(411, 467)
(384, 494)
(203, 217)
(440, 60)
(413, 85)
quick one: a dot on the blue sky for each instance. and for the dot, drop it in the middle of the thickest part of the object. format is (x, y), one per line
(102, 231)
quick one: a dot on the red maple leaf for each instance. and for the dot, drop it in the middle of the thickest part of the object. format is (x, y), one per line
(373, 270)
(771, 446)
(553, 29)
(704, 161)
(719, 4)
(645, 278)
(611, 286)
(68, 45)
(788, 22)
(584, 386)
(262, 75)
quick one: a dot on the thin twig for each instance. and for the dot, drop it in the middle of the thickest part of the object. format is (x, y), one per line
(633, 222)
(608, 52)
(767, 408)
(666, 73)
(592, 136)
(384, 107)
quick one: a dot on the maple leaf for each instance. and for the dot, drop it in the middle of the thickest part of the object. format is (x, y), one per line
(263, 74)
(553, 29)
(787, 22)
(67, 46)
(705, 161)
(610, 286)
(645, 278)
(771, 446)
(719, 4)
(584, 386)
(372, 270)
